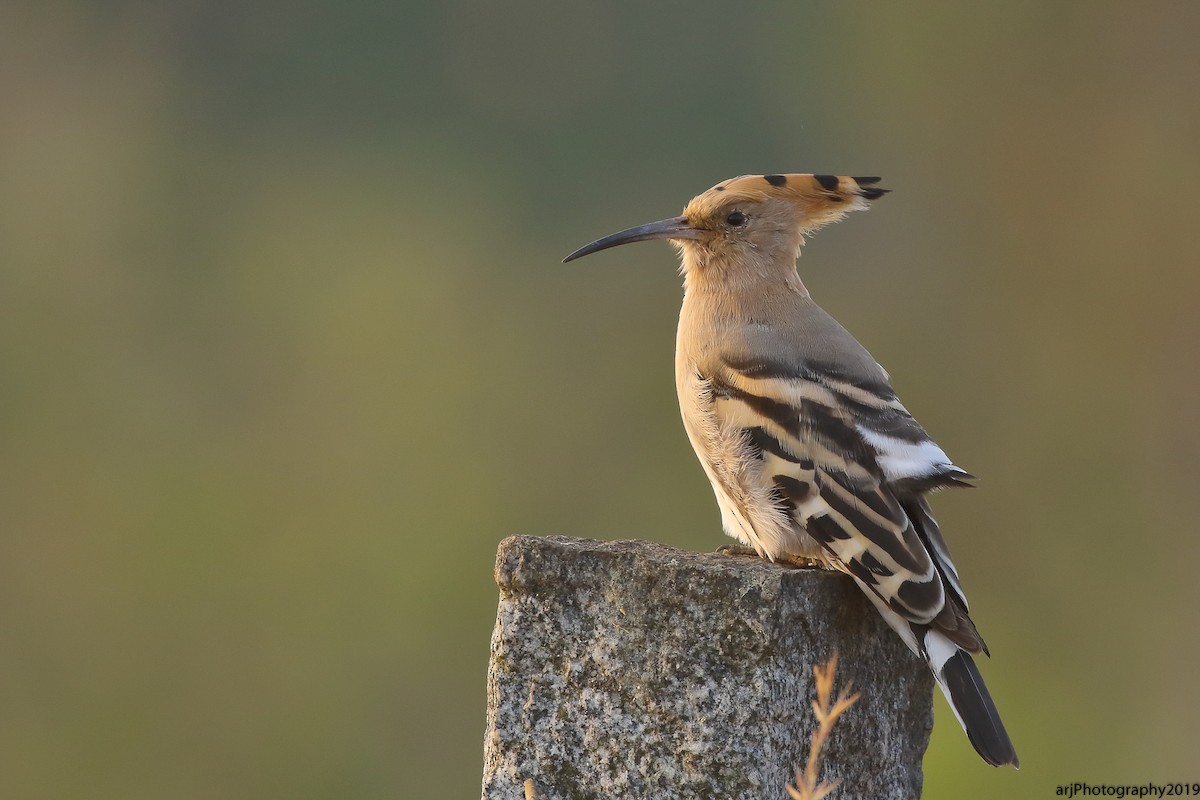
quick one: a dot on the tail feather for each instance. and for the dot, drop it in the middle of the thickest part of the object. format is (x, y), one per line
(960, 681)
(964, 688)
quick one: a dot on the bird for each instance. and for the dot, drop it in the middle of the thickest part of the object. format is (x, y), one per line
(812, 457)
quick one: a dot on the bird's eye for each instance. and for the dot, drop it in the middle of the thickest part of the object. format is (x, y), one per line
(736, 218)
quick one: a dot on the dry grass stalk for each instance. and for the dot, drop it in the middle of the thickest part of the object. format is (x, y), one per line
(827, 714)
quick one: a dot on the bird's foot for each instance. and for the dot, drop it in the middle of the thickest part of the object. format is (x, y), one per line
(802, 562)
(793, 562)
(738, 550)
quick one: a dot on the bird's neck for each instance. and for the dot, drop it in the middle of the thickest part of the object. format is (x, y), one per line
(749, 279)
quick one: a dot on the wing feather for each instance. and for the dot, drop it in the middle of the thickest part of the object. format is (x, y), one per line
(847, 463)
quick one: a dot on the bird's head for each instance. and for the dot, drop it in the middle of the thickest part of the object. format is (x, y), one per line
(754, 222)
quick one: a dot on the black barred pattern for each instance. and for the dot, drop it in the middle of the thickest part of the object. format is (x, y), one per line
(793, 491)
(922, 596)
(886, 539)
(822, 462)
(929, 483)
(831, 426)
(887, 420)
(781, 414)
(913, 543)
(881, 502)
(860, 571)
(810, 420)
(825, 530)
(763, 442)
(849, 509)
(813, 371)
(874, 566)
(917, 510)
(884, 417)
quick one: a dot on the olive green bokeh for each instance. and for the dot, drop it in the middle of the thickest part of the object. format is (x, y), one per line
(286, 349)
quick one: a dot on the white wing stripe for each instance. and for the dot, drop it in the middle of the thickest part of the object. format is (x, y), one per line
(900, 459)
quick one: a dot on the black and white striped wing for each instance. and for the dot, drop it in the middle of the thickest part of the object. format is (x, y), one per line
(849, 465)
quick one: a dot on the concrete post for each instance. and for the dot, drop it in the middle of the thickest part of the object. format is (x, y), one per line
(633, 670)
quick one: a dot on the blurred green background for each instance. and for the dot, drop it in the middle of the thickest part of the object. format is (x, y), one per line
(286, 349)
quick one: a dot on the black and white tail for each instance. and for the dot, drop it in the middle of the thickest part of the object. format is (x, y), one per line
(960, 681)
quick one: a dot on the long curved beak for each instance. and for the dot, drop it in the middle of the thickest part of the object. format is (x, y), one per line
(673, 228)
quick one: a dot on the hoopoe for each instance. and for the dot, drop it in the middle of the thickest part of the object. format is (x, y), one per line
(810, 454)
